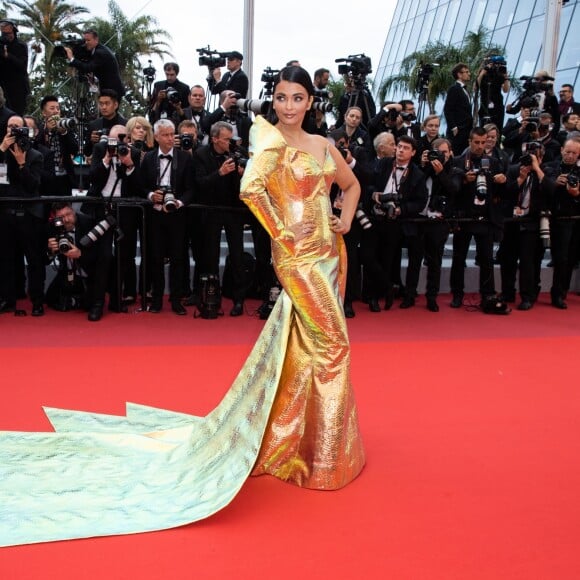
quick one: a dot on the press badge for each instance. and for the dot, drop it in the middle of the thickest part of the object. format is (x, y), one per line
(4, 174)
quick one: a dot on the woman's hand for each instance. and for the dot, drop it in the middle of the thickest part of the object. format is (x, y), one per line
(338, 226)
(302, 229)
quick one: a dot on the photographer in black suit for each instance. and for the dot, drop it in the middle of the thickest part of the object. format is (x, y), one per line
(399, 192)
(82, 263)
(234, 80)
(217, 175)
(13, 67)
(169, 95)
(167, 181)
(108, 103)
(21, 223)
(457, 109)
(97, 60)
(479, 199)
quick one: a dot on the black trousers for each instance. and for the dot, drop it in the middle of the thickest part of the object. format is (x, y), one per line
(521, 250)
(167, 240)
(353, 274)
(29, 232)
(563, 234)
(265, 276)
(483, 234)
(233, 224)
(194, 244)
(434, 234)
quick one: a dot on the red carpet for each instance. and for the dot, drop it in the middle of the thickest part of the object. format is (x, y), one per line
(470, 424)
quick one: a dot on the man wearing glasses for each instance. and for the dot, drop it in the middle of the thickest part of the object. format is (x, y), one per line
(567, 104)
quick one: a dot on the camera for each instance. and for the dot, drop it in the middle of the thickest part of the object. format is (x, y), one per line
(322, 94)
(482, 171)
(210, 299)
(529, 149)
(545, 228)
(63, 238)
(269, 75)
(388, 203)
(392, 115)
(322, 106)
(434, 155)
(424, 73)
(23, 137)
(73, 41)
(211, 58)
(357, 65)
(98, 231)
(238, 154)
(495, 65)
(186, 141)
(533, 85)
(363, 219)
(169, 201)
(408, 117)
(149, 72)
(112, 146)
(440, 203)
(173, 95)
(256, 106)
(572, 180)
(64, 123)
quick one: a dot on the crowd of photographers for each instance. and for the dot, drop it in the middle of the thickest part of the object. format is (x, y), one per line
(515, 185)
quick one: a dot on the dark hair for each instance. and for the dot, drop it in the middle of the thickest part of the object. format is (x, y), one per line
(409, 140)
(477, 132)
(458, 67)
(171, 66)
(406, 102)
(293, 74)
(48, 99)
(57, 205)
(568, 86)
(92, 32)
(109, 93)
(320, 71)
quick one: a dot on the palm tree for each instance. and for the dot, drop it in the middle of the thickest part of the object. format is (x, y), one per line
(130, 40)
(414, 74)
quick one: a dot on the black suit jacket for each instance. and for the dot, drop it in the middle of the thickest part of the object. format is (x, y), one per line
(14, 75)
(166, 108)
(457, 109)
(23, 182)
(412, 189)
(97, 125)
(181, 175)
(103, 64)
(238, 82)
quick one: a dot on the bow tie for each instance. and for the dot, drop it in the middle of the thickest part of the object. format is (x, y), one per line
(399, 168)
(168, 157)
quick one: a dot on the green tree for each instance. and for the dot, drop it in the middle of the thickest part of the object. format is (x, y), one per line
(475, 46)
(131, 40)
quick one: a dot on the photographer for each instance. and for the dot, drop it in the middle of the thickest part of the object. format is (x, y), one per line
(522, 248)
(13, 67)
(479, 198)
(167, 181)
(357, 158)
(217, 175)
(388, 119)
(521, 129)
(114, 173)
(443, 182)
(59, 137)
(82, 264)
(228, 112)
(169, 96)
(399, 192)
(458, 109)
(563, 177)
(194, 112)
(234, 80)
(408, 125)
(97, 60)
(21, 224)
(108, 103)
(492, 79)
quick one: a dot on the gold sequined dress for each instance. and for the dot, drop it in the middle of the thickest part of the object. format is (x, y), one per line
(290, 411)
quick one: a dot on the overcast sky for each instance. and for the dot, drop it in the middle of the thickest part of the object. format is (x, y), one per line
(315, 32)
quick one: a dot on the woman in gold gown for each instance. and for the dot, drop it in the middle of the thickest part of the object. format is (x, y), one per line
(290, 411)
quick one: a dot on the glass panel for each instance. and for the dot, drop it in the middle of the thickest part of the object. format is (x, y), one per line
(397, 13)
(405, 11)
(506, 15)
(426, 29)
(524, 9)
(438, 23)
(491, 14)
(567, 76)
(476, 15)
(569, 40)
(402, 51)
(515, 42)
(413, 10)
(539, 8)
(528, 63)
(461, 22)
(449, 22)
(396, 42)
(423, 7)
(500, 36)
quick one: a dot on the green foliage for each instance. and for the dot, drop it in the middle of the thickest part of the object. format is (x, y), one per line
(475, 46)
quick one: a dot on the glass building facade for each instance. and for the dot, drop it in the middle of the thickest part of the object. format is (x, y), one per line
(518, 25)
